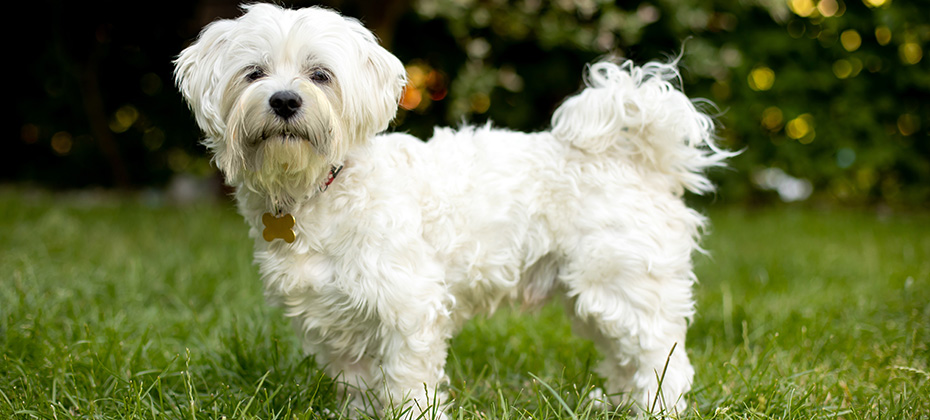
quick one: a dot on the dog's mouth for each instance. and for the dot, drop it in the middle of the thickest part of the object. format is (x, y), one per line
(292, 136)
(283, 136)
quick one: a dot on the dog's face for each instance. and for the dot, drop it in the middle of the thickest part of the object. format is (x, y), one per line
(282, 94)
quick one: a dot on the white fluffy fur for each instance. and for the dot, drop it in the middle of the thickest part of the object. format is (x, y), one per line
(413, 239)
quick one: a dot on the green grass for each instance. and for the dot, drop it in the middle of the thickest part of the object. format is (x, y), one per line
(110, 308)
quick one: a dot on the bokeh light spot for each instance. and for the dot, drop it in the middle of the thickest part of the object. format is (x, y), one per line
(772, 118)
(910, 52)
(796, 28)
(62, 143)
(480, 102)
(153, 138)
(842, 68)
(647, 13)
(845, 157)
(908, 124)
(876, 3)
(828, 8)
(508, 78)
(850, 40)
(123, 118)
(412, 97)
(416, 75)
(802, 8)
(761, 78)
(883, 35)
(788, 187)
(424, 86)
(801, 128)
(856, 66)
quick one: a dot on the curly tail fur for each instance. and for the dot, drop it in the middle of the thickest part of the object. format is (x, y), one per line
(639, 111)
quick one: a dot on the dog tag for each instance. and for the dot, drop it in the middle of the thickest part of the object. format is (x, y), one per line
(279, 227)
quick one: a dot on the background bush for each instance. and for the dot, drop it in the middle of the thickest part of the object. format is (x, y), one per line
(829, 99)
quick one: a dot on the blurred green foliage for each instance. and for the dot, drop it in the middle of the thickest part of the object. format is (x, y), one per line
(827, 98)
(834, 93)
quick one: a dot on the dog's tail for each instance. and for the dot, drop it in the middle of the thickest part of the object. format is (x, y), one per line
(640, 112)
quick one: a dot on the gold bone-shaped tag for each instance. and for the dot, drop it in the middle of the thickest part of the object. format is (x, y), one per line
(279, 227)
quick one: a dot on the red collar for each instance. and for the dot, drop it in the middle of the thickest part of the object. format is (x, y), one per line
(333, 171)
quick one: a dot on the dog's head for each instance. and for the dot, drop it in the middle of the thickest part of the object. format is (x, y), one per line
(283, 94)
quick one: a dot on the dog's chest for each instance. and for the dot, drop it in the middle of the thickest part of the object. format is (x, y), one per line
(337, 314)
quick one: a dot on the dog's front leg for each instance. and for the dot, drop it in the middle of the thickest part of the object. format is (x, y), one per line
(403, 371)
(414, 372)
(357, 380)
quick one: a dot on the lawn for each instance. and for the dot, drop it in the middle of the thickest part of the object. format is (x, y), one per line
(126, 308)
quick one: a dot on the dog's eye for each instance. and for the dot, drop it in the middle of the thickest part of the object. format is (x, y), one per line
(319, 76)
(255, 74)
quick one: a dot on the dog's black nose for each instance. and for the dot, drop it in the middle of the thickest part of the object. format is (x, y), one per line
(285, 103)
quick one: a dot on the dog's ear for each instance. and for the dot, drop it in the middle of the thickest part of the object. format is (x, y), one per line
(197, 74)
(379, 86)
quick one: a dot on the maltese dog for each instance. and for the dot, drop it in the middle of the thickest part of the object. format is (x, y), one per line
(380, 247)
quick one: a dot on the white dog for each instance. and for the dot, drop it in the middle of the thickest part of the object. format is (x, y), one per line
(380, 247)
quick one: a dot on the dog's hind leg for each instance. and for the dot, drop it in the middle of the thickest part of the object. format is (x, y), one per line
(637, 316)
